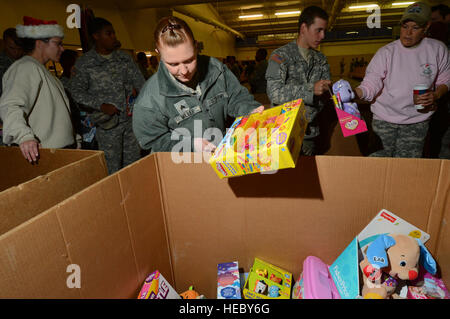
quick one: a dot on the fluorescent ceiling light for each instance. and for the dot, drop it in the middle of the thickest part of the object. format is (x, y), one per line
(286, 13)
(364, 6)
(251, 16)
(402, 3)
(352, 32)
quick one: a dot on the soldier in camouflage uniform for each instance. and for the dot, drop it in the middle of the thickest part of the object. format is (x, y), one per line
(104, 80)
(296, 70)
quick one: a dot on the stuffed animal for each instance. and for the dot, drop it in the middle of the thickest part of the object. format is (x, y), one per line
(345, 94)
(191, 294)
(389, 258)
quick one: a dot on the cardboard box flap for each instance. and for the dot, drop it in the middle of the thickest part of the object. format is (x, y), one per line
(439, 223)
(143, 205)
(34, 260)
(16, 170)
(113, 230)
(20, 203)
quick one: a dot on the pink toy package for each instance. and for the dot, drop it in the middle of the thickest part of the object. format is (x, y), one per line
(432, 288)
(315, 282)
(157, 287)
(350, 124)
(347, 111)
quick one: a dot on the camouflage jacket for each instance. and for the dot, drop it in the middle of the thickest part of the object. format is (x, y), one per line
(97, 80)
(257, 78)
(164, 106)
(290, 77)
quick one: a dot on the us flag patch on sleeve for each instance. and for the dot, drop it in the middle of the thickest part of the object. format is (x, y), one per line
(277, 58)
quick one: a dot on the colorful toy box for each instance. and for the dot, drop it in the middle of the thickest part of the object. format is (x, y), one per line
(228, 283)
(157, 287)
(266, 281)
(262, 142)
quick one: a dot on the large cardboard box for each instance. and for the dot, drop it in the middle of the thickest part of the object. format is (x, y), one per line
(27, 190)
(182, 220)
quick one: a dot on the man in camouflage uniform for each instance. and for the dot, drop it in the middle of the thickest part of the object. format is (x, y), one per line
(12, 52)
(297, 70)
(104, 80)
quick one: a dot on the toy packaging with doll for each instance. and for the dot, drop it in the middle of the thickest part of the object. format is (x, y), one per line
(347, 111)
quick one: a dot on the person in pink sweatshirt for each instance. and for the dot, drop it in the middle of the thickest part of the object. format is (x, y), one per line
(390, 78)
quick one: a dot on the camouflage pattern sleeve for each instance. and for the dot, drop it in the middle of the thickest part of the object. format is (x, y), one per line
(79, 88)
(135, 76)
(240, 101)
(281, 87)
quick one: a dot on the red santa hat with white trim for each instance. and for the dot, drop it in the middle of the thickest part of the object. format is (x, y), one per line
(39, 29)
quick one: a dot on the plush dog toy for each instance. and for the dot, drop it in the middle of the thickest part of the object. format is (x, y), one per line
(343, 89)
(393, 257)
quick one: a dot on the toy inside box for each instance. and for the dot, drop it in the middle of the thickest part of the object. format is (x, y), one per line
(157, 287)
(228, 282)
(262, 142)
(266, 281)
(345, 279)
(365, 269)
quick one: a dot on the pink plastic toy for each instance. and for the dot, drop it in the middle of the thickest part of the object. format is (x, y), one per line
(315, 282)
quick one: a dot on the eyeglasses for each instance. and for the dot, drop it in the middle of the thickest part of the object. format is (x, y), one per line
(57, 43)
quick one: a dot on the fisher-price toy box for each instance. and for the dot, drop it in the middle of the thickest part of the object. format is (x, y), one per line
(271, 277)
(345, 270)
(262, 142)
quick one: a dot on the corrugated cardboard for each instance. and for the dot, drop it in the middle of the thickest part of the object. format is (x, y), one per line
(15, 169)
(183, 220)
(31, 189)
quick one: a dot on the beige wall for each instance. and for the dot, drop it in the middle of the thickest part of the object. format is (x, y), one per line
(141, 25)
(352, 47)
(134, 28)
(216, 42)
(12, 12)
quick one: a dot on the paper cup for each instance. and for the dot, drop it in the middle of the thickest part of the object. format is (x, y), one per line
(419, 90)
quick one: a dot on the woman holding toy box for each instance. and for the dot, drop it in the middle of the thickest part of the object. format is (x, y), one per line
(188, 95)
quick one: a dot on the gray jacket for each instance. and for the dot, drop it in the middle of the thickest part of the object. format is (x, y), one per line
(163, 106)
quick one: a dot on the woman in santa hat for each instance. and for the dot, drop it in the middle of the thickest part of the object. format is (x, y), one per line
(34, 107)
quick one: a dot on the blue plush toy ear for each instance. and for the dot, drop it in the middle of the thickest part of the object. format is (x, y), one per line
(376, 252)
(426, 259)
